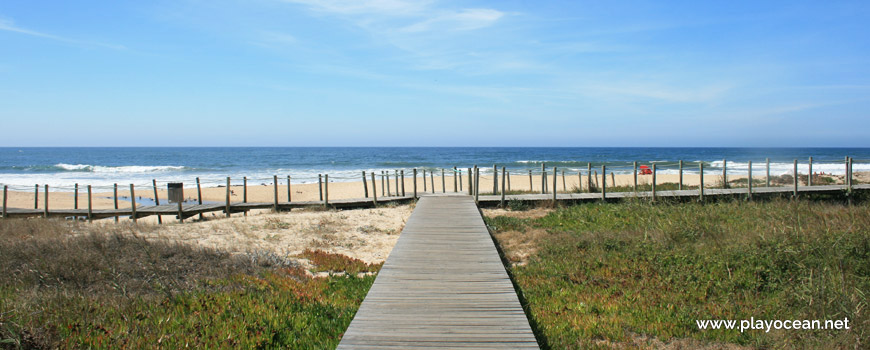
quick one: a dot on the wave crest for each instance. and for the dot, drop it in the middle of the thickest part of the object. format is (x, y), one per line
(132, 169)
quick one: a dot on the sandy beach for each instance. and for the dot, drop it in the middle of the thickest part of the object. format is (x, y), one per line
(346, 190)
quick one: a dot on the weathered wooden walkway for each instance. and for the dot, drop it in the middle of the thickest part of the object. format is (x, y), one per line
(190, 210)
(488, 200)
(443, 286)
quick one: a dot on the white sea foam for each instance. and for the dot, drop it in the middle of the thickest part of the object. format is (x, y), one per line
(129, 169)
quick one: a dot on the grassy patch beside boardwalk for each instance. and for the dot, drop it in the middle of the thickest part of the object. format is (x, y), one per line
(634, 274)
(65, 286)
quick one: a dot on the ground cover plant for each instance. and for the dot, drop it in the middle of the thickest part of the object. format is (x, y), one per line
(71, 285)
(635, 275)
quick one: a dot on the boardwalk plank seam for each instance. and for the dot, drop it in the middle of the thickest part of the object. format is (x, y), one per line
(443, 286)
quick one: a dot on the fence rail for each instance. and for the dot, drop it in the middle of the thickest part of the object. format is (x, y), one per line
(590, 185)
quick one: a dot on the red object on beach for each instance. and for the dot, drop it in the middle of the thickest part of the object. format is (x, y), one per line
(645, 170)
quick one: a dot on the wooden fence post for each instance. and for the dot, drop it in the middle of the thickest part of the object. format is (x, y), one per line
(320, 184)
(543, 181)
(45, 211)
(460, 179)
(432, 181)
(795, 195)
(810, 172)
(531, 187)
(90, 206)
(635, 176)
(402, 174)
(375, 189)
(116, 200)
(36, 191)
(612, 179)
(470, 182)
(681, 176)
(494, 179)
(115, 196)
(767, 179)
(275, 193)
(476, 184)
(724, 173)
(425, 189)
(443, 182)
(454, 180)
(847, 180)
(701, 186)
(228, 197)
(133, 202)
(289, 196)
(156, 200)
(326, 190)
(749, 180)
(76, 197)
(503, 173)
(508, 181)
(580, 181)
(589, 177)
(603, 184)
(5, 197)
(654, 182)
(245, 188)
(555, 189)
(415, 183)
(198, 195)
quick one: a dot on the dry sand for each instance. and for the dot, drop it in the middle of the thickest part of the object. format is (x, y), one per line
(365, 234)
(345, 190)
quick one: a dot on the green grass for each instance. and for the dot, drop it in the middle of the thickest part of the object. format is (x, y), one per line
(603, 275)
(66, 286)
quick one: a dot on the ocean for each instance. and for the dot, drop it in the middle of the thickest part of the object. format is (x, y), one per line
(61, 168)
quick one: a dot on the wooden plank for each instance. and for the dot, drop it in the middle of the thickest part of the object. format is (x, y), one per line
(90, 205)
(132, 203)
(45, 214)
(443, 286)
(157, 200)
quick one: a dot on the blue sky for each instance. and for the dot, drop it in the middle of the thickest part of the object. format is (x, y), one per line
(434, 73)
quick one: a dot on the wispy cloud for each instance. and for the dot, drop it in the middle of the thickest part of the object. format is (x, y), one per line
(428, 31)
(657, 91)
(9, 26)
(379, 7)
(467, 19)
(268, 38)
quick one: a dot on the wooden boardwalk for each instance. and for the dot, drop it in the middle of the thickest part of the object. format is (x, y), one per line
(487, 200)
(443, 286)
(190, 210)
(490, 200)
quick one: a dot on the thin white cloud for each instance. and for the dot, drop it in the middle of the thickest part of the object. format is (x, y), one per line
(9, 26)
(658, 92)
(380, 7)
(278, 37)
(467, 19)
